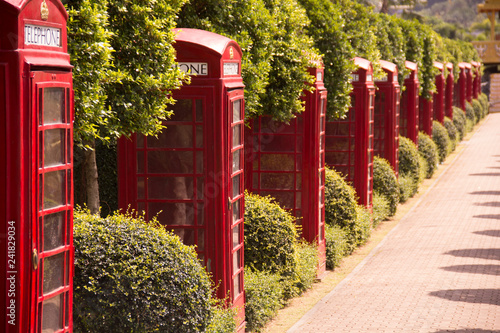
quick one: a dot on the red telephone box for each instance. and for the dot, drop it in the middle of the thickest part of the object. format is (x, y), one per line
(461, 87)
(287, 162)
(476, 81)
(191, 175)
(408, 118)
(386, 133)
(469, 79)
(438, 98)
(448, 92)
(349, 141)
(36, 229)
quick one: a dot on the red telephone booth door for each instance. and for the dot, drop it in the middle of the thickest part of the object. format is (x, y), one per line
(236, 198)
(52, 221)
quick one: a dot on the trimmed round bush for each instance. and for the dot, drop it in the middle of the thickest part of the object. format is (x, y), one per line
(133, 276)
(264, 297)
(452, 132)
(483, 99)
(307, 264)
(270, 236)
(407, 187)
(478, 109)
(381, 209)
(429, 151)
(442, 140)
(409, 162)
(459, 122)
(385, 182)
(337, 245)
(340, 201)
(470, 114)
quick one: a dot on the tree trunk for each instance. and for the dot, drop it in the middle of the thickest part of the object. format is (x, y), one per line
(385, 7)
(91, 179)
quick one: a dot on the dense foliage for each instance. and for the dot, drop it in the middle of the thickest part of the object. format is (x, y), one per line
(459, 122)
(340, 201)
(409, 168)
(452, 132)
(385, 183)
(429, 151)
(133, 276)
(442, 140)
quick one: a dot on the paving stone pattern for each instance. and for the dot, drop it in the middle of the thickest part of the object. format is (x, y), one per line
(439, 269)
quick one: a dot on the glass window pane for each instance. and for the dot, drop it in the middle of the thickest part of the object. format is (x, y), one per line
(201, 214)
(236, 261)
(172, 213)
(175, 188)
(236, 160)
(199, 162)
(277, 162)
(236, 110)
(53, 187)
(236, 186)
(174, 136)
(183, 110)
(140, 162)
(236, 211)
(236, 235)
(53, 272)
(237, 285)
(170, 162)
(199, 110)
(236, 135)
(201, 240)
(186, 236)
(279, 143)
(53, 227)
(276, 181)
(199, 136)
(52, 314)
(53, 105)
(54, 147)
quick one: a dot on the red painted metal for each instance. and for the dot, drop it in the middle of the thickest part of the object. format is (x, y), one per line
(408, 118)
(193, 171)
(469, 80)
(448, 92)
(387, 98)
(286, 161)
(438, 98)
(36, 204)
(461, 87)
(476, 81)
(350, 141)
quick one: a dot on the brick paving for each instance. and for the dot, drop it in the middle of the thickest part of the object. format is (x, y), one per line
(439, 269)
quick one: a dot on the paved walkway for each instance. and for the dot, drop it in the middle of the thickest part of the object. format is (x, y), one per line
(439, 269)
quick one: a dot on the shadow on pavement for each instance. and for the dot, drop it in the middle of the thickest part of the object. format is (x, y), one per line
(485, 193)
(479, 296)
(485, 174)
(492, 233)
(491, 254)
(467, 330)
(488, 216)
(476, 269)
(488, 204)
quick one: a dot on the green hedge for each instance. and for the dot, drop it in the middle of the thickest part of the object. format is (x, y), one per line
(409, 166)
(381, 209)
(385, 183)
(459, 122)
(270, 236)
(478, 109)
(470, 114)
(483, 99)
(337, 245)
(452, 132)
(340, 201)
(442, 140)
(133, 276)
(429, 151)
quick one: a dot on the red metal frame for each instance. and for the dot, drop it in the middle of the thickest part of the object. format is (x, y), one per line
(438, 98)
(199, 157)
(426, 115)
(448, 94)
(469, 79)
(408, 118)
(387, 99)
(461, 87)
(349, 141)
(36, 103)
(286, 161)
(476, 82)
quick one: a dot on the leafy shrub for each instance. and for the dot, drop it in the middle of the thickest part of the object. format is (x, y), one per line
(407, 187)
(459, 122)
(470, 114)
(307, 265)
(483, 99)
(133, 276)
(478, 109)
(429, 151)
(409, 164)
(337, 245)
(442, 140)
(223, 319)
(340, 201)
(264, 295)
(270, 236)
(381, 209)
(452, 132)
(385, 182)
(363, 228)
